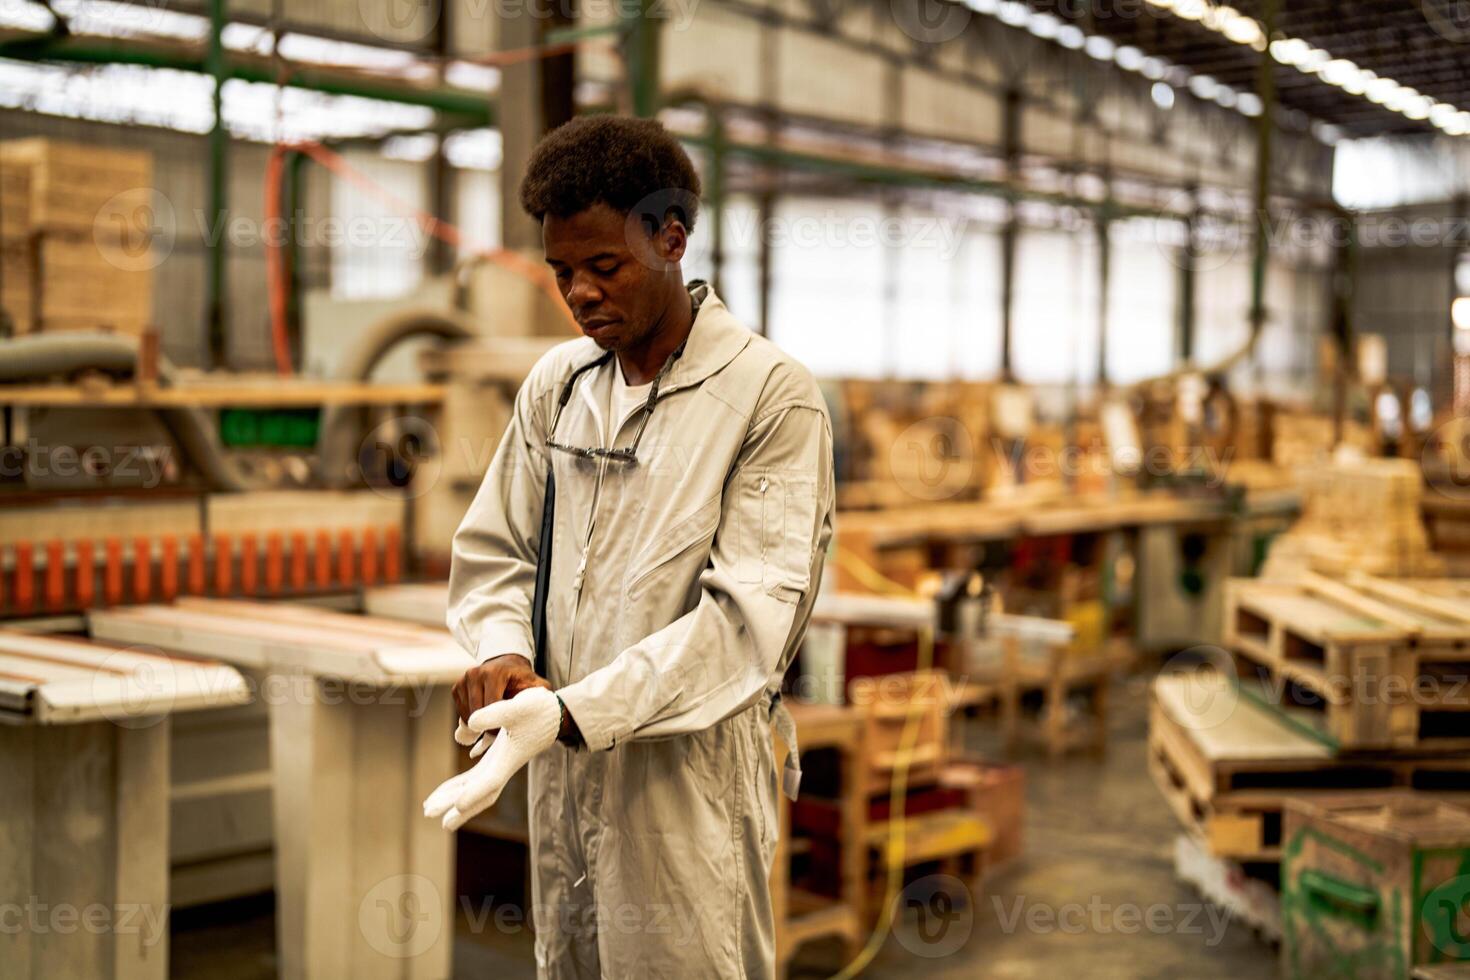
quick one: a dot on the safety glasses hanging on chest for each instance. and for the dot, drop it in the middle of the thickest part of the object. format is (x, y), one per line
(625, 454)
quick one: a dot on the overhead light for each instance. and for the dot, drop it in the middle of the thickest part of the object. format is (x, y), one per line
(1380, 90)
(1460, 313)
(1204, 86)
(1163, 95)
(1153, 68)
(1190, 9)
(1128, 58)
(1244, 30)
(1225, 96)
(1298, 53)
(1100, 47)
(1358, 83)
(1043, 26)
(1070, 36)
(1419, 108)
(1290, 51)
(1314, 61)
(1249, 104)
(1400, 98)
(1014, 12)
(1338, 71)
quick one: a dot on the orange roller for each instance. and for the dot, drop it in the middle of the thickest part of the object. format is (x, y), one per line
(345, 570)
(86, 574)
(323, 560)
(168, 568)
(392, 542)
(249, 564)
(223, 560)
(273, 565)
(298, 561)
(369, 556)
(112, 589)
(196, 564)
(55, 575)
(25, 571)
(142, 569)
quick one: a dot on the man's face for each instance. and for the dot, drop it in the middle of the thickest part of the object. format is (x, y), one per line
(614, 276)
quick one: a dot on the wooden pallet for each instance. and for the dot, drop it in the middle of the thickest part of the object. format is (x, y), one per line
(1361, 667)
(1228, 778)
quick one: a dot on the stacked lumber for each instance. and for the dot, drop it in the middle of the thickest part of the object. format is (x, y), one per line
(1361, 515)
(78, 237)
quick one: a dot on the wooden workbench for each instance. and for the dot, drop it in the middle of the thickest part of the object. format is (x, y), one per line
(360, 733)
(84, 806)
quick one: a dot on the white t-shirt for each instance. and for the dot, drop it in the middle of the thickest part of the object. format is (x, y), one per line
(624, 400)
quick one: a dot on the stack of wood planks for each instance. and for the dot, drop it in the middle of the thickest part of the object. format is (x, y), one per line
(1359, 515)
(78, 237)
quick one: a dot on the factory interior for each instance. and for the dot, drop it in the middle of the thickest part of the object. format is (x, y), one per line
(1129, 341)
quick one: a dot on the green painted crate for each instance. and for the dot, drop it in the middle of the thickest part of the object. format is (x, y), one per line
(1374, 887)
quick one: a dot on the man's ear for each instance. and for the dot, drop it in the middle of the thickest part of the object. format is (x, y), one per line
(672, 240)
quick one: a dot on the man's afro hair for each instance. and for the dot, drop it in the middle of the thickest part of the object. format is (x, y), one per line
(619, 161)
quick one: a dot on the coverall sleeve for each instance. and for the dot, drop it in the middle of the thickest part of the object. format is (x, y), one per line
(718, 658)
(492, 571)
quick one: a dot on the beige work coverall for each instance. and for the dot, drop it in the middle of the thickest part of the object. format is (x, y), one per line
(681, 586)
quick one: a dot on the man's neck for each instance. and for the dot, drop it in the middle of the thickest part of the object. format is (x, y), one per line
(640, 363)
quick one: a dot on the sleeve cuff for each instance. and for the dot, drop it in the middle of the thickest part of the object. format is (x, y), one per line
(597, 731)
(497, 639)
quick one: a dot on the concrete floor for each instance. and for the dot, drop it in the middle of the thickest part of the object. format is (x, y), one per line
(1094, 898)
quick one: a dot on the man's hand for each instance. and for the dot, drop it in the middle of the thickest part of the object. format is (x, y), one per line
(527, 724)
(497, 679)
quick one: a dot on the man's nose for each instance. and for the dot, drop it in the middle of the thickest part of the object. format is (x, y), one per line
(584, 292)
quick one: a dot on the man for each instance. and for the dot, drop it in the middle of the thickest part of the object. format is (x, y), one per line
(693, 492)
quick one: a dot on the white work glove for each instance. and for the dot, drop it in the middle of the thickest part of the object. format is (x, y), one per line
(528, 724)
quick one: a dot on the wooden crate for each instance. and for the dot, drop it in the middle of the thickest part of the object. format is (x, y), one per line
(1373, 887)
(1366, 673)
(71, 183)
(1228, 775)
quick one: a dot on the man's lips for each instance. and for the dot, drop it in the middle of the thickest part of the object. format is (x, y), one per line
(593, 326)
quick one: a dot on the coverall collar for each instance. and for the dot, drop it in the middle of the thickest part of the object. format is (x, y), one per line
(714, 341)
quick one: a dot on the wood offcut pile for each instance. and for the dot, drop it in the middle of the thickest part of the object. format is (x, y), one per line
(1361, 515)
(77, 229)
